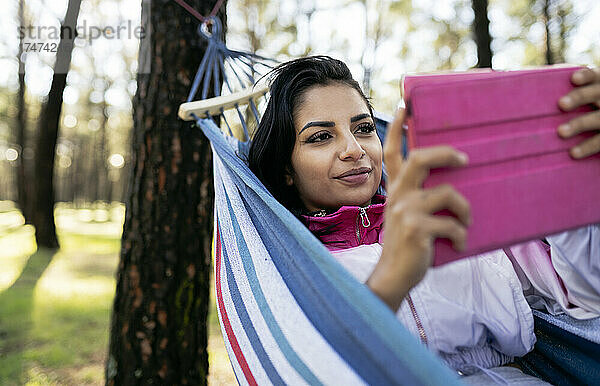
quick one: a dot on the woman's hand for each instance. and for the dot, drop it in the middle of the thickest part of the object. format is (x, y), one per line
(587, 92)
(410, 226)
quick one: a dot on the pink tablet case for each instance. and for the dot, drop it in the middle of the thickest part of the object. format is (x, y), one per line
(521, 182)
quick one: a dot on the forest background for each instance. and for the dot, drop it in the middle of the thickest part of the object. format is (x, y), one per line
(379, 39)
(92, 157)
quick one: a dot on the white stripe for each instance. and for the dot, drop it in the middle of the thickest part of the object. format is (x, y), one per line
(302, 336)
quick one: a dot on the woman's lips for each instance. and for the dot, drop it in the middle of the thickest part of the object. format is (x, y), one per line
(355, 179)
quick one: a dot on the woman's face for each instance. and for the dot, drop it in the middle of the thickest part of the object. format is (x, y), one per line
(337, 156)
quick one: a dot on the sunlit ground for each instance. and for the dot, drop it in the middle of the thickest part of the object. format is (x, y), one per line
(55, 307)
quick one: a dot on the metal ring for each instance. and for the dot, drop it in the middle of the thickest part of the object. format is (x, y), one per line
(210, 28)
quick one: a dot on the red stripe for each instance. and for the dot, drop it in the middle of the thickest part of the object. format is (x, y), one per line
(230, 335)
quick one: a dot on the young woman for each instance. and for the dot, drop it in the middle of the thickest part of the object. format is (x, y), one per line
(317, 152)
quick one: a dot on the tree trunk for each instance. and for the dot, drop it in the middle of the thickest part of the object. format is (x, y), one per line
(481, 30)
(43, 204)
(22, 188)
(158, 328)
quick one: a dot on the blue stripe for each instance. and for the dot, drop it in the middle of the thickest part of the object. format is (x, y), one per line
(278, 335)
(249, 329)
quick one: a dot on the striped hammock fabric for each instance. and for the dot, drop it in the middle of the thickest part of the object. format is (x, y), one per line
(289, 313)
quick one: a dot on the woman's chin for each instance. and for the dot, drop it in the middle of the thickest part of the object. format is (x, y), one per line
(358, 199)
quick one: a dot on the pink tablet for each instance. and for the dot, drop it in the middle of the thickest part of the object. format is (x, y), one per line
(521, 182)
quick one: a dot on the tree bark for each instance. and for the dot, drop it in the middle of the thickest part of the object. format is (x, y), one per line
(158, 328)
(43, 203)
(481, 31)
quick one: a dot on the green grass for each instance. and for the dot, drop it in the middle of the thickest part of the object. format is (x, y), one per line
(54, 318)
(55, 305)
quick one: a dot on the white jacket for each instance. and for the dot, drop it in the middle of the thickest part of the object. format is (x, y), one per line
(475, 313)
(472, 312)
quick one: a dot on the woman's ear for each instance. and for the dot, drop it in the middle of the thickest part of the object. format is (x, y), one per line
(289, 181)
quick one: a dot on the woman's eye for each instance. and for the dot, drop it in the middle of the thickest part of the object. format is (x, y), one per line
(319, 137)
(365, 128)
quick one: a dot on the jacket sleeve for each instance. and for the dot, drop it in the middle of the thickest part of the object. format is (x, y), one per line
(475, 312)
(575, 256)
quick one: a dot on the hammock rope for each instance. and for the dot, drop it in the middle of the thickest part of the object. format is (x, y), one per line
(217, 66)
(197, 14)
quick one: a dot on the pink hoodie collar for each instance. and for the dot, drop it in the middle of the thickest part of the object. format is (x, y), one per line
(349, 226)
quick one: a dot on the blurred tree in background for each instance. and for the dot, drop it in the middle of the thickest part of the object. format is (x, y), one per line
(481, 33)
(42, 205)
(23, 189)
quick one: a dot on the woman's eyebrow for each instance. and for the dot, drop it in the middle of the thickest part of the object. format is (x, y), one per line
(332, 124)
(359, 117)
(317, 123)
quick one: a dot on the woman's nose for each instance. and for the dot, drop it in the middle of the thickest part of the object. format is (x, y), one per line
(351, 149)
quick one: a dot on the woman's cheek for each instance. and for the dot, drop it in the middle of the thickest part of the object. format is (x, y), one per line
(311, 167)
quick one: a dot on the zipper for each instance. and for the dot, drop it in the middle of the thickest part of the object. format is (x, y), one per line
(420, 328)
(362, 219)
(321, 213)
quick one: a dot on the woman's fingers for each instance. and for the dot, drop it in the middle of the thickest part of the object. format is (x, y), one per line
(448, 228)
(583, 123)
(585, 76)
(392, 148)
(446, 197)
(586, 148)
(421, 161)
(588, 91)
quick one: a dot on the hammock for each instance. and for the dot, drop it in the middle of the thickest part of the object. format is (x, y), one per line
(289, 313)
(567, 351)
